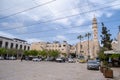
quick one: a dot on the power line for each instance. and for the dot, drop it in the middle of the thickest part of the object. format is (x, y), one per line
(27, 9)
(61, 10)
(66, 28)
(62, 17)
(83, 6)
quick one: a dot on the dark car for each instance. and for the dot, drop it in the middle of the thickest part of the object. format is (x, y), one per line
(92, 64)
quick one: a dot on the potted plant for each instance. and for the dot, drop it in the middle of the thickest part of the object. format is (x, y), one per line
(108, 72)
(102, 57)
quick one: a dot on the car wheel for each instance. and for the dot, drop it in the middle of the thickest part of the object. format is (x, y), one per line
(87, 68)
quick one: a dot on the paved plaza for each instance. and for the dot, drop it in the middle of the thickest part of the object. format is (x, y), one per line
(28, 70)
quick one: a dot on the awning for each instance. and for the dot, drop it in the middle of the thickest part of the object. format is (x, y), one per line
(111, 52)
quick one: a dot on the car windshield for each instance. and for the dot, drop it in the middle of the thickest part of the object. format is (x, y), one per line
(92, 62)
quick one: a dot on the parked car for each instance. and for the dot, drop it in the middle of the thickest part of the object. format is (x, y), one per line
(12, 58)
(7, 58)
(70, 60)
(81, 60)
(92, 64)
(60, 59)
(50, 59)
(1, 58)
(37, 59)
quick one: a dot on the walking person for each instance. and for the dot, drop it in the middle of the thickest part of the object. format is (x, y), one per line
(21, 58)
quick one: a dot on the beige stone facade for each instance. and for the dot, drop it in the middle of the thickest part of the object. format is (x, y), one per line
(63, 47)
(93, 44)
(72, 49)
(116, 44)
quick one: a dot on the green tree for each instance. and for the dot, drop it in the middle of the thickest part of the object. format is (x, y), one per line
(27, 53)
(80, 38)
(101, 54)
(106, 40)
(2, 51)
(64, 54)
(88, 36)
(12, 52)
(34, 52)
(54, 53)
(43, 53)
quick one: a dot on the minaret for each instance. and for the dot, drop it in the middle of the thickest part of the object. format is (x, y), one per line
(96, 46)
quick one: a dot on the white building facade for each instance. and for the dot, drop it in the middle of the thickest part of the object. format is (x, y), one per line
(13, 43)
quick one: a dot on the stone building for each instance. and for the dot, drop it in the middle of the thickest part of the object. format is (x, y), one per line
(13, 43)
(94, 45)
(72, 49)
(116, 44)
(62, 47)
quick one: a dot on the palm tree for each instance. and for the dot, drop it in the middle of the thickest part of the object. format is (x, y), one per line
(88, 36)
(80, 38)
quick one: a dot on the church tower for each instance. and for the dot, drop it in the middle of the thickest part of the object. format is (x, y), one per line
(96, 46)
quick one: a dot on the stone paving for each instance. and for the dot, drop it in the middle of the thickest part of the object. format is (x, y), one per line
(28, 70)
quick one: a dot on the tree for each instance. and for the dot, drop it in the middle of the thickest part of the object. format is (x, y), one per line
(80, 38)
(54, 53)
(34, 52)
(106, 40)
(12, 52)
(64, 54)
(101, 54)
(2, 51)
(43, 53)
(26, 53)
(88, 36)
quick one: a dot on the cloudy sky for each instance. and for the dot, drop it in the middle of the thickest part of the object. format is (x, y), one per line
(56, 20)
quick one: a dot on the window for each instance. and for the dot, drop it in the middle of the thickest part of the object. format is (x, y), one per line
(6, 44)
(20, 46)
(0, 43)
(81, 46)
(28, 48)
(11, 46)
(64, 45)
(24, 47)
(16, 46)
(59, 45)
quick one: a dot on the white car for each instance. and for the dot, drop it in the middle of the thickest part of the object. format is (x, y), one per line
(70, 60)
(37, 59)
(1, 58)
(60, 59)
(12, 58)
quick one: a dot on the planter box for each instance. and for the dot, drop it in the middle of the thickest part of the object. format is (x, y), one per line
(102, 68)
(108, 73)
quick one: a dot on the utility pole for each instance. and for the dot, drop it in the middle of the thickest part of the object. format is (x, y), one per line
(119, 28)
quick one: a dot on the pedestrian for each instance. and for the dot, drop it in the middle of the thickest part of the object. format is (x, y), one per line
(21, 58)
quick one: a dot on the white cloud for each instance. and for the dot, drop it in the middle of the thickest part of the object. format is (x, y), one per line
(60, 37)
(33, 40)
(4, 34)
(19, 27)
(81, 30)
(108, 14)
(116, 4)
